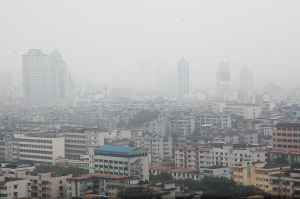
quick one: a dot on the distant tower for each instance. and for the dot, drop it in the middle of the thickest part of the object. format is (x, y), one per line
(246, 79)
(36, 78)
(59, 76)
(183, 80)
(223, 79)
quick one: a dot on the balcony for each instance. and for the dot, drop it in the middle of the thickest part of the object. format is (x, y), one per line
(297, 187)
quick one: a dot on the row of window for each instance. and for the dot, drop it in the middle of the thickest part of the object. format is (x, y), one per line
(106, 172)
(287, 134)
(286, 146)
(120, 155)
(111, 167)
(37, 141)
(110, 161)
(35, 151)
(36, 146)
(35, 157)
(286, 140)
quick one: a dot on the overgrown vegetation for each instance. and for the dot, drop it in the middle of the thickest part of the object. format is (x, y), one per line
(139, 119)
(281, 160)
(219, 186)
(61, 170)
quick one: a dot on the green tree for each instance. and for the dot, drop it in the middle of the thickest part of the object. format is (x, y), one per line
(142, 117)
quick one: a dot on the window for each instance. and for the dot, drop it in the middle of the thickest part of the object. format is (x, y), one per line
(60, 182)
(15, 186)
(283, 134)
(278, 134)
(278, 140)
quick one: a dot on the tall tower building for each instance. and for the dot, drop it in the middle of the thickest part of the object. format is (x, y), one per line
(183, 78)
(59, 76)
(5, 82)
(44, 78)
(223, 79)
(36, 78)
(246, 79)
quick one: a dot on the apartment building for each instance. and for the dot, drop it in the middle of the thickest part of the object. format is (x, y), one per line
(119, 160)
(189, 156)
(44, 185)
(214, 119)
(247, 111)
(215, 171)
(40, 148)
(181, 124)
(233, 136)
(15, 188)
(156, 127)
(95, 184)
(159, 147)
(255, 173)
(285, 184)
(77, 143)
(177, 173)
(286, 137)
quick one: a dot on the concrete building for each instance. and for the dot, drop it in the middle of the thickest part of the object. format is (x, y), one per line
(183, 78)
(247, 111)
(77, 143)
(37, 88)
(15, 188)
(286, 137)
(96, 184)
(44, 185)
(156, 127)
(119, 160)
(255, 173)
(285, 184)
(215, 171)
(159, 147)
(83, 162)
(223, 79)
(177, 173)
(194, 157)
(215, 119)
(181, 124)
(40, 149)
(59, 76)
(246, 79)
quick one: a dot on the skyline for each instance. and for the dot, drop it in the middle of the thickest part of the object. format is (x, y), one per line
(100, 38)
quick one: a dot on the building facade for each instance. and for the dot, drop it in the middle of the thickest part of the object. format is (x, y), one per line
(223, 79)
(118, 160)
(183, 78)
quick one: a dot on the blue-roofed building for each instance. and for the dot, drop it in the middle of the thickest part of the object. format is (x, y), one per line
(119, 160)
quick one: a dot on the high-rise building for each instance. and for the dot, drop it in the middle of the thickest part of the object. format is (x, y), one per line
(246, 79)
(44, 78)
(59, 76)
(183, 78)
(223, 79)
(37, 78)
(5, 82)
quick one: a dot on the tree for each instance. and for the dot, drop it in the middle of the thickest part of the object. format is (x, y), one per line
(142, 117)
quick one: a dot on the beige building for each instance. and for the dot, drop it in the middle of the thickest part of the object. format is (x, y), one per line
(40, 149)
(248, 111)
(254, 173)
(44, 185)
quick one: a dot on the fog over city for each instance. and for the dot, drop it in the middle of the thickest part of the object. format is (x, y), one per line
(140, 99)
(106, 41)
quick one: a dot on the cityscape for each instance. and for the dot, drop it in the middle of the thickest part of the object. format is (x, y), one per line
(87, 112)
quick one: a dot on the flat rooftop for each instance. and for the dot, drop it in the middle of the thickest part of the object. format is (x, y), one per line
(119, 149)
(99, 175)
(158, 166)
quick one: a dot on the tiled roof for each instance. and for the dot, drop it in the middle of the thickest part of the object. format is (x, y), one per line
(99, 175)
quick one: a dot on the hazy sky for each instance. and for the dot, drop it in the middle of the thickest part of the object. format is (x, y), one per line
(106, 40)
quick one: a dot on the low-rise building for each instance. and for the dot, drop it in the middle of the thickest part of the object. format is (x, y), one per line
(15, 188)
(177, 173)
(255, 173)
(119, 160)
(44, 185)
(285, 184)
(215, 171)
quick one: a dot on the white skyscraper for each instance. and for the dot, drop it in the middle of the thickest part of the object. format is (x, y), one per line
(44, 78)
(183, 78)
(246, 79)
(37, 78)
(223, 79)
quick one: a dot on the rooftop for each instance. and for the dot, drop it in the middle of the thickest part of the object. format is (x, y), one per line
(158, 166)
(99, 175)
(288, 125)
(120, 149)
